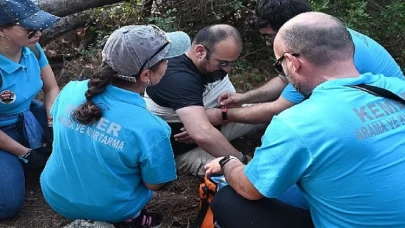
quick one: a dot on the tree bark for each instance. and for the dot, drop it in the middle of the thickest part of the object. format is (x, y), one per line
(71, 15)
(64, 25)
(63, 8)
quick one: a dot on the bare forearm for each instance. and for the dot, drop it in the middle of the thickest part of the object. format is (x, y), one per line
(236, 178)
(10, 145)
(49, 98)
(255, 114)
(259, 113)
(268, 92)
(214, 116)
(215, 143)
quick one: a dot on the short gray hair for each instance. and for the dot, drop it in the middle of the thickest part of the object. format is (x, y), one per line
(320, 43)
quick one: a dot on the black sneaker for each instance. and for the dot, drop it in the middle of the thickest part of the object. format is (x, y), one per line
(144, 220)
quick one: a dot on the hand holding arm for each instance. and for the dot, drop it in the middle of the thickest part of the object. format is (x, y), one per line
(268, 92)
(231, 99)
(200, 129)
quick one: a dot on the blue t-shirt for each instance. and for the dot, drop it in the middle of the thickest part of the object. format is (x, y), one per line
(98, 171)
(369, 56)
(345, 148)
(20, 82)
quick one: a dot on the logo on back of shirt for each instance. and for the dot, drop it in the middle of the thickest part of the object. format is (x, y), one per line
(7, 97)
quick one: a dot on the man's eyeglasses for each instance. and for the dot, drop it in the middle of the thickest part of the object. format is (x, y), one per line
(221, 63)
(153, 56)
(277, 65)
(268, 37)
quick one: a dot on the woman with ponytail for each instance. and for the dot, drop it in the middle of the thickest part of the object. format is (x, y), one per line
(110, 152)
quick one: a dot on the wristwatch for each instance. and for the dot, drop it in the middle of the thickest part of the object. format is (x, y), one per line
(224, 111)
(243, 158)
(225, 160)
(25, 156)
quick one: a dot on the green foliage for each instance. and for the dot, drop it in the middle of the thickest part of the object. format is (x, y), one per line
(383, 20)
(104, 20)
(166, 21)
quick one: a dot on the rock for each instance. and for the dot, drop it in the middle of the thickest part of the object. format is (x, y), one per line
(89, 224)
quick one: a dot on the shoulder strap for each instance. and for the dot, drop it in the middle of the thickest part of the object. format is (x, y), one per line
(35, 50)
(378, 91)
(201, 214)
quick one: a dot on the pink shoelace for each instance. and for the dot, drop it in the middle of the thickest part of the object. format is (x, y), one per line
(146, 220)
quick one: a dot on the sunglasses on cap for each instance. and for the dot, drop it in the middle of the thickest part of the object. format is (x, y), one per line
(277, 65)
(161, 33)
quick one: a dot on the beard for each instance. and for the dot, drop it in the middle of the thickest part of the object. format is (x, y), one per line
(302, 88)
(216, 75)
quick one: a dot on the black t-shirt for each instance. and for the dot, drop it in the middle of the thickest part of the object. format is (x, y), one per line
(181, 86)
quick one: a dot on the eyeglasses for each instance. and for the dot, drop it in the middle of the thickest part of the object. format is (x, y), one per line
(268, 37)
(277, 65)
(153, 56)
(30, 33)
(221, 63)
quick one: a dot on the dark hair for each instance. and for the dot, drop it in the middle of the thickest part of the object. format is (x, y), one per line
(7, 25)
(211, 35)
(275, 13)
(89, 112)
(319, 43)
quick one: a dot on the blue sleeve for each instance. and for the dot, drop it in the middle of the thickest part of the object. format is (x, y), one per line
(279, 162)
(370, 56)
(291, 94)
(157, 164)
(42, 61)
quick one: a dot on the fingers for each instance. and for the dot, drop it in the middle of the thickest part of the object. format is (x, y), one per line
(221, 97)
(181, 135)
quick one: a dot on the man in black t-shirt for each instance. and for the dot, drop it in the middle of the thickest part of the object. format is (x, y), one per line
(186, 99)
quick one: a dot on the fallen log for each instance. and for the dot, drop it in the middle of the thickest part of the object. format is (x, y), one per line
(71, 13)
(63, 8)
(63, 26)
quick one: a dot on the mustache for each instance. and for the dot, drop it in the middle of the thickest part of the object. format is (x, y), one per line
(218, 73)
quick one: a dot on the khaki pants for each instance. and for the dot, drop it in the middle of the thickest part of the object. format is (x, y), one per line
(193, 161)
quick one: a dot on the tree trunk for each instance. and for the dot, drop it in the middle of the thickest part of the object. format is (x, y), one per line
(63, 8)
(64, 25)
(70, 11)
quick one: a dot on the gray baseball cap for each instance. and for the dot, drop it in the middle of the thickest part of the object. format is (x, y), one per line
(130, 48)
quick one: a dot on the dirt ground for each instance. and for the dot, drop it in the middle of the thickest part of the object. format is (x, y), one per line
(177, 201)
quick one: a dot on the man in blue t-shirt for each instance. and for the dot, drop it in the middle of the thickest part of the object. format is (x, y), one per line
(369, 56)
(343, 146)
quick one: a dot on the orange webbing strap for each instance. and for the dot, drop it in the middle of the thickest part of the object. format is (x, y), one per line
(205, 218)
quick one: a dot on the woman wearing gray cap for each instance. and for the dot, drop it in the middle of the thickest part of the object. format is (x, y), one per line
(110, 152)
(24, 71)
